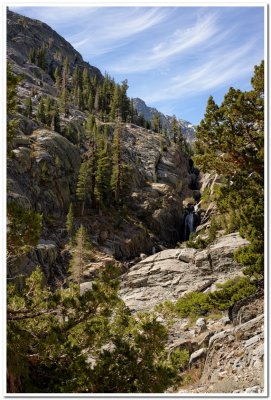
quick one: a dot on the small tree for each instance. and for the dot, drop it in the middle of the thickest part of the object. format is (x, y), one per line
(29, 108)
(12, 122)
(103, 176)
(82, 254)
(70, 222)
(41, 111)
(83, 183)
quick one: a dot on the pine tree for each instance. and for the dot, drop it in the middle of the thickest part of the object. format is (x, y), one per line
(41, 111)
(70, 222)
(29, 107)
(86, 90)
(64, 95)
(97, 99)
(174, 128)
(12, 122)
(55, 125)
(89, 127)
(117, 162)
(156, 123)
(125, 102)
(48, 110)
(57, 79)
(103, 175)
(82, 254)
(23, 229)
(231, 142)
(115, 105)
(84, 183)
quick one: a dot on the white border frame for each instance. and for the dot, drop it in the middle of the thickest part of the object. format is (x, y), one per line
(123, 3)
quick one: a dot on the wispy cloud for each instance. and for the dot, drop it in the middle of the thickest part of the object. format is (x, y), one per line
(174, 57)
(182, 40)
(115, 28)
(222, 69)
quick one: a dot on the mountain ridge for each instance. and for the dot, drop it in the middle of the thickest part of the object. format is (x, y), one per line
(188, 129)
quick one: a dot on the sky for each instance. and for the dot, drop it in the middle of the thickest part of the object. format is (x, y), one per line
(174, 58)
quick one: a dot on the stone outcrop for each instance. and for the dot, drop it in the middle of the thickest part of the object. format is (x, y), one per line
(43, 172)
(170, 274)
(236, 356)
(43, 169)
(24, 33)
(188, 130)
(229, 357)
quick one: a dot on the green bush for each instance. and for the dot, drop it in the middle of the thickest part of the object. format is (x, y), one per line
(196, 304)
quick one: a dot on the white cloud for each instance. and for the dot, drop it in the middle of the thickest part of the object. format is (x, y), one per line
(114, 27)
(224, 68)
(181, 41)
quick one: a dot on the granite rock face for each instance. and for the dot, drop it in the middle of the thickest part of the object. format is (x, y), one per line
(43, 172)
(148, 113)
(170, 274)
(43, 168)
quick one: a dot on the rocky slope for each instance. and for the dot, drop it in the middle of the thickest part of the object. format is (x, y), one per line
(43, 169)
(170, 274)
(148, 113)
(226, 352)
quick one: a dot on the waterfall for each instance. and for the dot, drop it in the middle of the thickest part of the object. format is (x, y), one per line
(189, 225)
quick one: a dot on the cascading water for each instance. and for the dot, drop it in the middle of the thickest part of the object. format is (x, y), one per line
(189, 225)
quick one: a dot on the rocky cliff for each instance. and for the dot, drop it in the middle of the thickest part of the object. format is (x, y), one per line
(43, 168)
(188, 129)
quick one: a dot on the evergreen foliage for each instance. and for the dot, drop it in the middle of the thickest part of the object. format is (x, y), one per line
(70, 222)
(120, 178)
(64, 342)
(82, 254)
(12, 121)
(230, 140)
(41, 111)
(23, 228)
(103, 177)
(64, 94)
(38, 57)
(83, 183)
(29, 108)
(195, 304)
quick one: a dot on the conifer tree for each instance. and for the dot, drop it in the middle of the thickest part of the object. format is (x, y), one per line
(117, 162)
(70, 222)
(86, 90)
(174, 128)
(82, 253)
(47, 110)
(64, 95)
(89, 127)
(156, 123)
(115, 105)
(41, 111)
(55, 125)
(231, 142)
(125, 102)
(84, 183)
(23, 229)
(57, 79)
(103, 175)
(12, 122)
(97, 99)
(29, 107)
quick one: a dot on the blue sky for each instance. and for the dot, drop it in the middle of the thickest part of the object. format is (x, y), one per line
(173, 57)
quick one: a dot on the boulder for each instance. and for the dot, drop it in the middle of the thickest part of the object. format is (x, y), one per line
(169, 274)
(238, 352)
(201, 325)
(198, 355)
